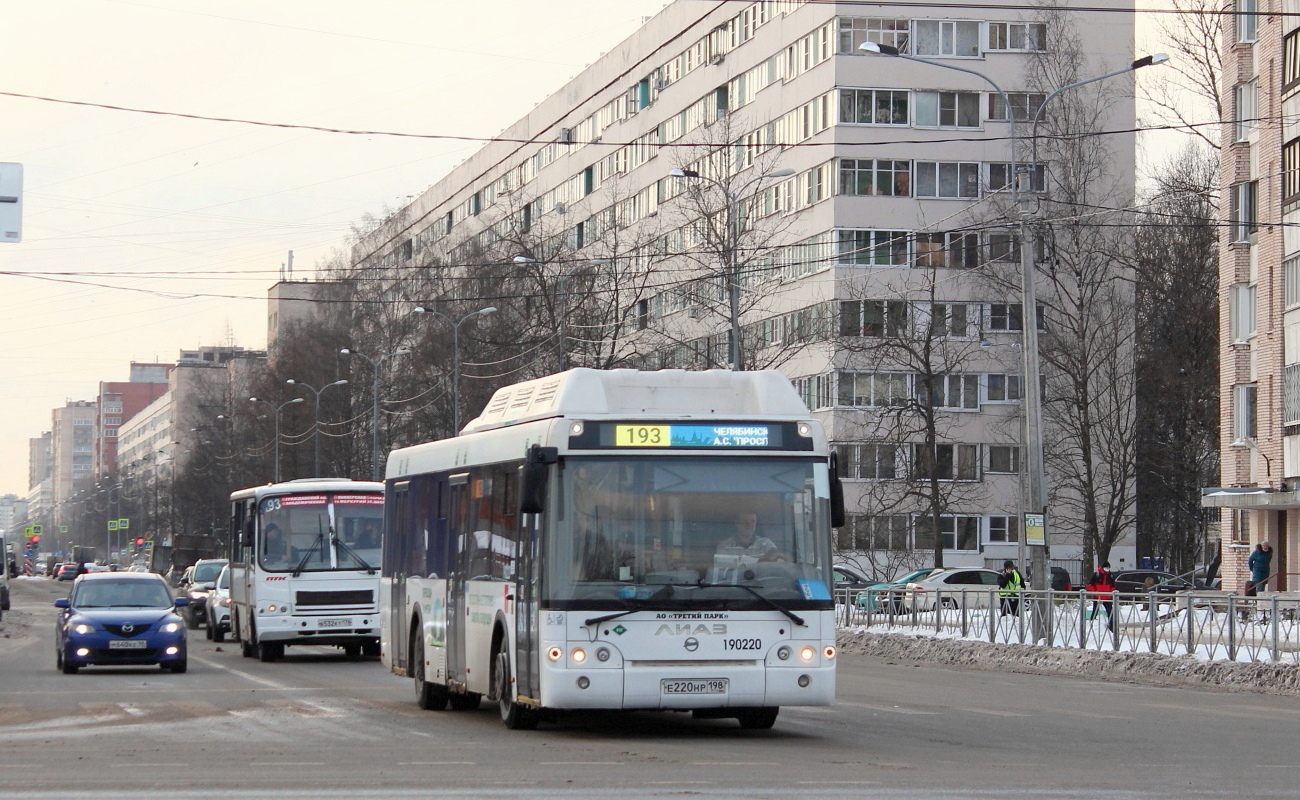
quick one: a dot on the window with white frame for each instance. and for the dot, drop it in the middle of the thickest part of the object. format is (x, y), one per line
(1006, 317)
(1024, 105)
(1247, 20)
(1242, 212)
(951, 250)
(1241, 311)
(1291, 281)
(1240, 526)
(946, 462)
(949, 391)
(946, 109)
(817, 391)
(855, 31)
(868, 532)
(951, 180)
(1003, 458)
(950, 320)
(873, 389)
(1243, 110)
(956, 533)
(1244, 419)
(875, 176)
(875, 319)
(1001, 388)
(1003, 529)
(1024, 37)
(943, 37)
(874, 106)
(871, 248)
(875, 462)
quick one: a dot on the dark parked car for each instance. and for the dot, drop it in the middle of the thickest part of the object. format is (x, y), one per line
(851, 579)
(1134, 580)
(199, 580)
(119, 618)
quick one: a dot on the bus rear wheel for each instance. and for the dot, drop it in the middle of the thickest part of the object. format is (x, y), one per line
(428, 696)
(515, 716)
(758, 719)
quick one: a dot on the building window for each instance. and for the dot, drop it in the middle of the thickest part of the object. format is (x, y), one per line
(956, 533)
(642, 314)
(873, 106)
(875, 176)
(1291, 394)
(1004, 530)
(1244, 411)
(1291, 60)
(1291, 171)
(1001, 388)
(867, 533)
(1291, 281)
(1004, 458)
(957, 38)
(1024, 105)
(946, 109)
(817, 391)
(1241, 312)
(954, 320)
(948, 180)
(1243, 210)
(876, 319)
(1247, 17)
(854, 31)
(950, 391)
(947, 462)
(1243, 110)
(873, 389)
(875, 462)
(1008, 317)
(872, 248)
(951, 250)
(1025, 37)
(1000, 177)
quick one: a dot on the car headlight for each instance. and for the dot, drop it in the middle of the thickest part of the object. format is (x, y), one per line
(225, 601)
(198, 595)
(83, 628)
(171, 627)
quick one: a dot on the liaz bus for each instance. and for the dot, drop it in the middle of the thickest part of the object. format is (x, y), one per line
(617, 540)
(304, 566)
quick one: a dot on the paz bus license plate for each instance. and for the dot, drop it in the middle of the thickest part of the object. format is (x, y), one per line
(333, 623)
(128, 644)
(705, 686)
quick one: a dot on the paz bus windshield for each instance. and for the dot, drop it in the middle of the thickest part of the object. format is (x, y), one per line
(686, 532)
(320, 531)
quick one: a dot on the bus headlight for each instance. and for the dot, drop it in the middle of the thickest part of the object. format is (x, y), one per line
(575, 428)
(554, 653)
(805, 429)
(578, 655)
(807, 654)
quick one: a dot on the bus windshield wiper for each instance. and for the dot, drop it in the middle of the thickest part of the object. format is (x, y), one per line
(795, 618)
(342, 545)
(665, 592)
(320, 540)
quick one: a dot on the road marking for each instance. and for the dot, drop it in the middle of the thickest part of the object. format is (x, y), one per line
(322, 709)
(286, 763)
(991, 712)
(134, 764)
(890, 709)
(434, 763)
(733, 764)
(580, 763)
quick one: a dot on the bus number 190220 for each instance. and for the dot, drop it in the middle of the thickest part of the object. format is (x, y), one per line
(742, 644)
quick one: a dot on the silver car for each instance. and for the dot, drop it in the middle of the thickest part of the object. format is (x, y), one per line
(218, 603)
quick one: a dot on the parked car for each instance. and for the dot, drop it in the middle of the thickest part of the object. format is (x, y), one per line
(119, 618)
(66, 572)
(200, 579)
(219, 607)
(1134, 580)
(944, 588)
(877, 597)
(848, 578)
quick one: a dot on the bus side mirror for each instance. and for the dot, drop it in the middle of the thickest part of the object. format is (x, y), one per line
(837, 494)
(533, 478)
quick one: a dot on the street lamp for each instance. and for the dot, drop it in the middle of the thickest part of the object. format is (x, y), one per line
(276, 413)
(733, 244)
(374, 392)
(1031, 386)
(455, 363)
(315, 423)
(1250, 443)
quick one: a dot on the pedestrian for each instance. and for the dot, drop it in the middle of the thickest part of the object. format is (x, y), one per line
(1102, 589)
(1260, 563)
(1010, 585)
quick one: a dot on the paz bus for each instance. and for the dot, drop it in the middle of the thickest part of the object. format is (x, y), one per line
(617, 540)
(304, 566)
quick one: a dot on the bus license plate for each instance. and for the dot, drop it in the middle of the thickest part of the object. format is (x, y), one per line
(334, 623)
(128, 644)
(705, 686)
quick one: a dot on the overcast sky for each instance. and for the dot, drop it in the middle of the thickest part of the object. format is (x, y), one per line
(151, 233)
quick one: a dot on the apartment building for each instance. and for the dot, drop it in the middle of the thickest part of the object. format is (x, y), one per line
(118, 401)
(859, 190)
(1259, 291)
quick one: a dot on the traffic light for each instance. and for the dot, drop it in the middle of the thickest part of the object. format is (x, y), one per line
(139, 541)
(35, 539)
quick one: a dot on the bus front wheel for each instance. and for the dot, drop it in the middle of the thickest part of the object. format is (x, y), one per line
(758, 719)
(428, 696)
(515, 716)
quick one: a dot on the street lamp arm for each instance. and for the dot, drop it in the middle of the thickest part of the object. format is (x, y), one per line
(1145, 61)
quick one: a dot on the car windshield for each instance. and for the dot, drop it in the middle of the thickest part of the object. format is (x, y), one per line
(223, 580)
(205, 573)
(121, 594)
(629, 527)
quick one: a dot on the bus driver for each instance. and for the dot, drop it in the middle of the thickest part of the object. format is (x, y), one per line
(746, 543)
(273, 549)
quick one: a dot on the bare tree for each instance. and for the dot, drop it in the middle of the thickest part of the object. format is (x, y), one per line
(1187, 92)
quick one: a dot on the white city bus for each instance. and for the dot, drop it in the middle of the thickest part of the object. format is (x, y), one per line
(304, 564)
(577, 546)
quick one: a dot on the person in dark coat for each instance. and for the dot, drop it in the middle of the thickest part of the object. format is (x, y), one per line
(1010, 585)
(1260, 563)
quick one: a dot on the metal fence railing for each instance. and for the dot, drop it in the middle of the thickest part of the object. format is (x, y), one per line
(1208, 625)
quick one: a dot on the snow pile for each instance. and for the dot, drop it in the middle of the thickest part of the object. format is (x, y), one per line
(1127, 667)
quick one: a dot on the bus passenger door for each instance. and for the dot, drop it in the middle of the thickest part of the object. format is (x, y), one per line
(457, 533)
(397, 540)
(526, 635)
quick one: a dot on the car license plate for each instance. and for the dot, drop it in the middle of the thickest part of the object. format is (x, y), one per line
(128, 644)
(333, 623)
(705, 686)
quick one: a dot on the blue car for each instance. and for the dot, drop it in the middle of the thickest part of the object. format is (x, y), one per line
(120, 618)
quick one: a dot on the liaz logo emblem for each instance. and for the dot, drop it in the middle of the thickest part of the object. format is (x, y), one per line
(685, 628)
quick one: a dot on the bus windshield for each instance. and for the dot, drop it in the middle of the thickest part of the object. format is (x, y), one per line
(316, 532)
(629, 528)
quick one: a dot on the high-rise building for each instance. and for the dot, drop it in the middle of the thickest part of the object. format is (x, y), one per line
(118, 401)
(770, 177)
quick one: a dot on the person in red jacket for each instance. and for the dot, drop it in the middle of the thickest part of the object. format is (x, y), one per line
(1102, 589)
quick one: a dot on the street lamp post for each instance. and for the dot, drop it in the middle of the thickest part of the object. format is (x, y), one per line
(1036, 490)
(374, 393)
(315, 422)
(455, 347)
(731, 266)
(276, 413)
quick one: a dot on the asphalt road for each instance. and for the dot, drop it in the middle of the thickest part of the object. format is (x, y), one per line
(317, 725)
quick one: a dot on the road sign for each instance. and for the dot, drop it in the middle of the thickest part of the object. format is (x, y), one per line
(123, 524)
(112, 524)
(1036, 529)
(63, 529)
(36, 530)
(11, 202)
